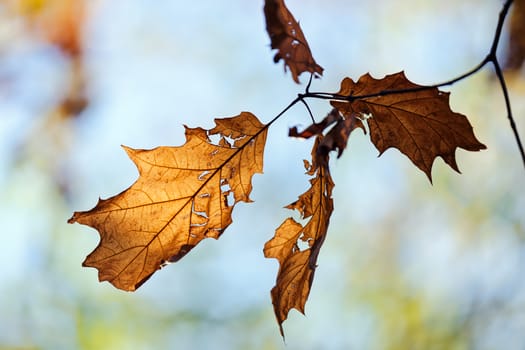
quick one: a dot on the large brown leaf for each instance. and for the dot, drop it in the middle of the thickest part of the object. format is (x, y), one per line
(183, 195)
(296, 246)
(287, 37)
(414, 119)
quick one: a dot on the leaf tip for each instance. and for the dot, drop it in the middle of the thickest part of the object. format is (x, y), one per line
(73, 218)
(131, 152)
(281, 330)
(128, 150)
(429, 177)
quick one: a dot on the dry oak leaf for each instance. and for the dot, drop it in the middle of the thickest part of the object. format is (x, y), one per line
(183, 195)
(415, 119)
(296, 246)
(287, 37)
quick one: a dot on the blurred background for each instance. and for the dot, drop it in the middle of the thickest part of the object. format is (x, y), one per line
(406, 264)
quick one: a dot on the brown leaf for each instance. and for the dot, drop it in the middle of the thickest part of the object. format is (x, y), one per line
(418, 121)
(181, 197)
(316, 128)
(296, 246)
(286, 36)
(337, 137)
(516, 46)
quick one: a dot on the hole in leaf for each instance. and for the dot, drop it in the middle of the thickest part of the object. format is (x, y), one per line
(225, 186)
(165, 263)
(302, 245)
(364, 115)
(214, 138)
(201, 216)
(228, 197)
(202, 175)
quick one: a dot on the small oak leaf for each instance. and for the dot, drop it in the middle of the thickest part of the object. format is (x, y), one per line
(337, 137)
(179, 199)
(316, 128)
(297, 266)
(415, 119)
(287, 37)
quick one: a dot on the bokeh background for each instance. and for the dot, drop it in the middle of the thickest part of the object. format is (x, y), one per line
(406, 264)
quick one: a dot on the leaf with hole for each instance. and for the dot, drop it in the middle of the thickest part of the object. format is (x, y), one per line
(183, 195)
(296, 246)
(287, 37)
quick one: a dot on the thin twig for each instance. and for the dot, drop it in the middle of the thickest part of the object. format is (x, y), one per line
(307, 90)
(499, 28)
(501, 78)
(309, 110)
(492, 57)
(338, 97)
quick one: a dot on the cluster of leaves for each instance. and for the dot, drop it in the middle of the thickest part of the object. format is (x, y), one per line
(186, 194)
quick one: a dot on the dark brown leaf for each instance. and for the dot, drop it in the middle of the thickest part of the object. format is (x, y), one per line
(316, 128)
(418, 121)
(337, 137)
(516, 46)
(180, 198)
(287, 37)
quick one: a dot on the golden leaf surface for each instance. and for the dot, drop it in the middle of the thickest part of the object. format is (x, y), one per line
(414, 119)
(287, 37)
(183, 195)
(296, 246)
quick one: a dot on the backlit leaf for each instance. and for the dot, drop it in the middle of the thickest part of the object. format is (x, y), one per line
(183, 195)
(287, 37)
(412, 118)
(296, 246)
